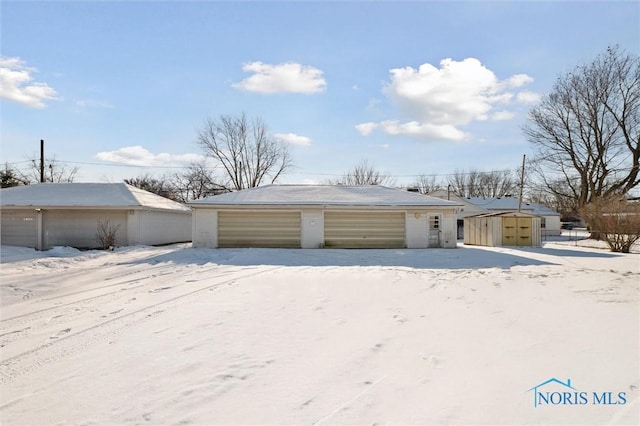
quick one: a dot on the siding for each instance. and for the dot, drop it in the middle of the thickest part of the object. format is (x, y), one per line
(159, 227)
(77, 228)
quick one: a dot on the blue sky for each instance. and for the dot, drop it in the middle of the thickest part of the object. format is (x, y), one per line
(412, 87)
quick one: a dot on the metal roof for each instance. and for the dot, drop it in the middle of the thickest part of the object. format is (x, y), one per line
(85, 195)
(508, 213)
(511, 203)
(323, 195)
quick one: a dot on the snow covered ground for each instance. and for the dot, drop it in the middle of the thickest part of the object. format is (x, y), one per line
(176, 335)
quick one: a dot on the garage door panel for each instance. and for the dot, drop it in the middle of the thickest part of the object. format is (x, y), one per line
(259, 229)
(19, 228)
(364, 229)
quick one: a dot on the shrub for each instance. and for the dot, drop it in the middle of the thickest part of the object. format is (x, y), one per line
(106, 234)
(616, 220)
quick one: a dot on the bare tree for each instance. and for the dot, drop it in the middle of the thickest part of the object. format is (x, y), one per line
(458, 183)
(245, 151)
(364, 174)
(427, 184)
(196, 182)
(53, 171)
(566, 206)
(160, 186)
(587, 130)
(497, 183)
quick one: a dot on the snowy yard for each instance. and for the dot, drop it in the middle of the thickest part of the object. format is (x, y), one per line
(176, 335)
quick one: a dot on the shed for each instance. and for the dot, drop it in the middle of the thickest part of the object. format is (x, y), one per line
(549, 219)
(67, 214)
(316, 216)
(502, 229)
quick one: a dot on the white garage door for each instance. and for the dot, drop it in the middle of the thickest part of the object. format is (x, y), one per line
(75, 228)
(364, 229)
(259, 229)
(19, 228)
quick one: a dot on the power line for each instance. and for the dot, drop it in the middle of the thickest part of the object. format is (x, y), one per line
(391, 175)
(416, 175)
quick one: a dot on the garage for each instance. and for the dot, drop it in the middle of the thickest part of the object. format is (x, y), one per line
(46, 215)
(259, 229)
(19, 228)
(364, 229)
(324, 216)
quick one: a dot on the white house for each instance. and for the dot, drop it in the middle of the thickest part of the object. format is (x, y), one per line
(316, 216)
(67, 214)
(549, 219)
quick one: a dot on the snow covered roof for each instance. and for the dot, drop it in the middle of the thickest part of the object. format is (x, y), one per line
(510, 203)
(87, 195)
(334, 195)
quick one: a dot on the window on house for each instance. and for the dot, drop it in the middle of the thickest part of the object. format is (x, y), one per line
(543, 222)
(434, 222)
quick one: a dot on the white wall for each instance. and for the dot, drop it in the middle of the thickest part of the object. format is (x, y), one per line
(205, 228)
(417, 228)
(449, 237)
(312, 228)
(552, 226)
(416, 224)
(158, 227)
(78, 228)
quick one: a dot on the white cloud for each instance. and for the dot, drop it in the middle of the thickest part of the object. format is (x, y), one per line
(502, 115)
(423, 130)
(139, 156)
(527, 97)
(17, 85)
(366, 128)
(519, 80)
(288, 77)
(437, 102)
(293, 139)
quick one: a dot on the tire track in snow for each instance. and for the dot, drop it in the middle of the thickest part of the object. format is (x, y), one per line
(19, 364)
(18, 326)
(144, 276)
(75, 272)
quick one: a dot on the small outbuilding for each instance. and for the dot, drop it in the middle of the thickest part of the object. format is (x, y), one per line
(502, 229)
(316, 216)
(549, 219)
(45, 215)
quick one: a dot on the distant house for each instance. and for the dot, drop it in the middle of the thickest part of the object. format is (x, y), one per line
(67, 214)
(316, 216)
(549, 219)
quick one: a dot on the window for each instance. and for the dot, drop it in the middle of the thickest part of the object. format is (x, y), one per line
(434, 222)
(543, 222)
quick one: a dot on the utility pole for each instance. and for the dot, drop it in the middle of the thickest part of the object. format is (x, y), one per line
(521, 184)
(41, 160)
